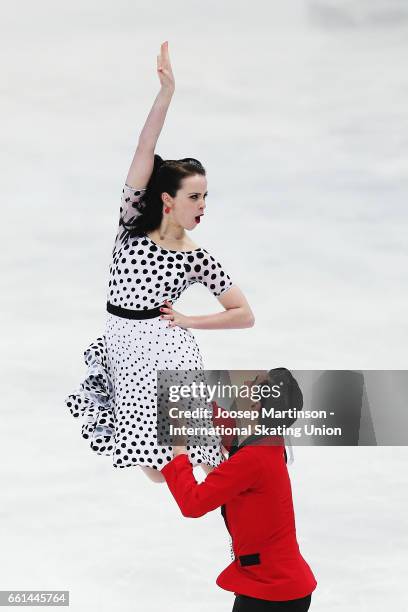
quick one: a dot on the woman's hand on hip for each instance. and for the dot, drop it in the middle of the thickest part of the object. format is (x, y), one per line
(174, 317)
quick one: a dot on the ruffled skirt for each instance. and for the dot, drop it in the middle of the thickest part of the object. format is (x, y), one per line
(117, 399)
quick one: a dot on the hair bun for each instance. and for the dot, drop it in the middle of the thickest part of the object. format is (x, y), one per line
(158, 161)
(192, 161)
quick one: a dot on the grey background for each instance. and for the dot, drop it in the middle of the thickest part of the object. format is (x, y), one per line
(298, 111)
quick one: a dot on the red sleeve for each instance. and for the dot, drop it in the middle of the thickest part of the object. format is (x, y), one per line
(223, 483)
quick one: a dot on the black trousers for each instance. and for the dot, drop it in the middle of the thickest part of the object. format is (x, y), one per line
(243, 603)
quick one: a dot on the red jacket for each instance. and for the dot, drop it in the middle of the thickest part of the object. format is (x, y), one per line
(253, 486)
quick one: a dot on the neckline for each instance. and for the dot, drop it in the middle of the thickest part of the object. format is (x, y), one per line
(169, 250)
(252, 440)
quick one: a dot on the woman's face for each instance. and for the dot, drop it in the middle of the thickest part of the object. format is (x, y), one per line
(189, 204)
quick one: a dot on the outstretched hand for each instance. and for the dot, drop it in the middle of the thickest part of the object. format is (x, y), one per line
(164, 67)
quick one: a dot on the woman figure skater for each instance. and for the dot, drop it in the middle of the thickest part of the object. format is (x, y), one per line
(253, 489)
(153, 262)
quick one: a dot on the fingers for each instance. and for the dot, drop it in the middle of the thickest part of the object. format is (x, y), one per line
(164, 49)
(171, 322)
(164, 54)
(167, 310)
(169, 314)
(168, 307)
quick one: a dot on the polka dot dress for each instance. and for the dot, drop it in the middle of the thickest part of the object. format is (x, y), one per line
(117, 400)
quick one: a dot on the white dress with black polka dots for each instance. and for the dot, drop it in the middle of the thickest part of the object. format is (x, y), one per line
(117, 400)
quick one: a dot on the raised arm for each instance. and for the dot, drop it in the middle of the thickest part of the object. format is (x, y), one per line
(142, 164)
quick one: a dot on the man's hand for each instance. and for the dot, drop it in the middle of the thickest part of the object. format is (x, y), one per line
(179, 450)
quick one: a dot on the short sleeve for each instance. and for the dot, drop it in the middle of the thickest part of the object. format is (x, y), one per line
(203, 268)
(132, 205)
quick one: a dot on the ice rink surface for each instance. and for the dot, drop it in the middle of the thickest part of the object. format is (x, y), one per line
(298, 112)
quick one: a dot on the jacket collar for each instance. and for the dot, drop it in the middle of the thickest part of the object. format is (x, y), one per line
(254, 439)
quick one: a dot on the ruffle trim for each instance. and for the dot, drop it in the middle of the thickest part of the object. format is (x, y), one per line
(94, 402)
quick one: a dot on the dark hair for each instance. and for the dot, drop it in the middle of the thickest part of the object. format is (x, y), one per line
(166, 176)
(291, 397)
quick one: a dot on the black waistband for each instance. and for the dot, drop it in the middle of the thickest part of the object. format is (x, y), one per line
(127, 313)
